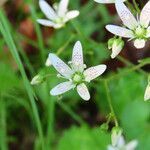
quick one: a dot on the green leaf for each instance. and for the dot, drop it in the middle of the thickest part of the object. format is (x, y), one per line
(8, 78)
(84, 138)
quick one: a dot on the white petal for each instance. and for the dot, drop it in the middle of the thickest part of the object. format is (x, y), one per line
(71, 14)
(77, 57)
(139, 43)
(62, 8)
(145, 15)
(121, 142)
(116, 49)
(115, 137)
(126, 16)
(106, 1)
(120, 31)
(83, 92)
(62, 88)
(132, 145)
(111, 148)
(147, 93)
(93, 72)
(60, 66)
(46, 22)
(47, 10)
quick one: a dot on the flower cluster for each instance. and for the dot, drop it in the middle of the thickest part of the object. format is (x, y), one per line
(75, 72)
(137, 30)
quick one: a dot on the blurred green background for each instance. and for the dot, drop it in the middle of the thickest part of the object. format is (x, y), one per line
(32, 119)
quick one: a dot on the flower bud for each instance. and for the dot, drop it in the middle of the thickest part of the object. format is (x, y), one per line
(104, 127)
(37, 80)
(116, 44)
(48, 62)
(116, 134)
(147, 91)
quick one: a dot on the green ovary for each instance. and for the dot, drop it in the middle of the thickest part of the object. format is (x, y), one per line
(78, 78)
(59, 20)
(140, 32)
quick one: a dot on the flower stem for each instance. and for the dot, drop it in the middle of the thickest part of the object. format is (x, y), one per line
(6, 32)
(3, 126)
(134, 68)
(62, 48)
(76, 117)
(110, 103)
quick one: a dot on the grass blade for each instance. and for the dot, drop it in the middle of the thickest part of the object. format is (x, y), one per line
(5, 30)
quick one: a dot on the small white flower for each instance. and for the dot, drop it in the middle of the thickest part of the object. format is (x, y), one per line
(76, 75)
(135, 29)
(116, 44)
(58, 16)
(147, 91)
(106, 1)
(121, 145)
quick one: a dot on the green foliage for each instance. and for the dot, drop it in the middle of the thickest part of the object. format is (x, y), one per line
(33, 107)
(8, 78)
(84, 138)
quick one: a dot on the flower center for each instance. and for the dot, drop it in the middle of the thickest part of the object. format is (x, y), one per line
(140, 32)
(59, 20)
(78, 78)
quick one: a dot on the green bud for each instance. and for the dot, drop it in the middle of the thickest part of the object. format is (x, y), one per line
(116, 44)
(104, 127)
(110, 42)
(37, 80)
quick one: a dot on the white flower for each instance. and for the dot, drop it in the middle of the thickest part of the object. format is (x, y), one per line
(135, 29)
(76, 75)
(58, 16)
(106, 1)
(120, 144)
(116, 44)
(147, 92)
